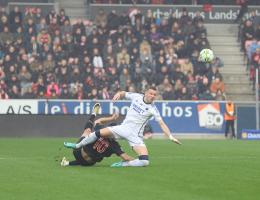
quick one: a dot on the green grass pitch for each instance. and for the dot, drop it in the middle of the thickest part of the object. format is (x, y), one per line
(197, 170)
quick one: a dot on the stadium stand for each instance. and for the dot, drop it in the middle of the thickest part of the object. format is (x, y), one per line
(52, 57)
(249, 36)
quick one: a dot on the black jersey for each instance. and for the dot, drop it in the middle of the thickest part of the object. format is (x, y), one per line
(103, 147)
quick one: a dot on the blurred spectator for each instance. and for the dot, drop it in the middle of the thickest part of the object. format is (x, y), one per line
(6, 36)
(3, 94)
(62, 18)
(101, 18)
(123, 56)
(217, 85)
(97, 59)
(25, 78)
(168, 93)
(243, 9)
(14, 93)
(15, 15)
(65, 94)
(248, 33)
(2, 74)
(187, 66)
(52, 90)
(217, 62)
(39, 88)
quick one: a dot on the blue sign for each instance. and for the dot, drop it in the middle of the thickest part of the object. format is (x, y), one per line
(250, 134)
(181, 117)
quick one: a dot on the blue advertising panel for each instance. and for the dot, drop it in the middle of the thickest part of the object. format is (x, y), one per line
(181, 117)
(250, 134)
(246, 119)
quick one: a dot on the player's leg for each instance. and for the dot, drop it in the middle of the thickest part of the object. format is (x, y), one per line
(141, 161)
(88, 126)
(227, 128)
(90, 122)
(140, 149)
(232, 124)
(65, 162)
(90, 138)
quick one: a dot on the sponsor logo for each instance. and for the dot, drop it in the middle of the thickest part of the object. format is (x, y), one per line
(244, 135)
(250, 135)
(208, 12)
(18, 107)
(210, 116)
(253, 135)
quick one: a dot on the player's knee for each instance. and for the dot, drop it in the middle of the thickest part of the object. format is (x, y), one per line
(144, 159)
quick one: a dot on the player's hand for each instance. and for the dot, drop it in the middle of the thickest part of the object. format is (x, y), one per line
(117, 96)
(115, 116)
(175, 140)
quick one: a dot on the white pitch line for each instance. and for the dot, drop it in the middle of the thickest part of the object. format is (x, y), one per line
(202, 157)
(14, 158)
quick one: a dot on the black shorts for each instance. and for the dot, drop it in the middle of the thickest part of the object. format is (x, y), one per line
(79, 158)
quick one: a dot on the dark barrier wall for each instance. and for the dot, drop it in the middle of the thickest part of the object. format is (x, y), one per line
(246, 118)
(41, 125)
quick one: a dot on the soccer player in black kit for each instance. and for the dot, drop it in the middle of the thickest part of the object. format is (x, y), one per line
(90, 154)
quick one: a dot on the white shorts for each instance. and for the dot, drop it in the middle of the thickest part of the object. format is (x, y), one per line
(127, 133)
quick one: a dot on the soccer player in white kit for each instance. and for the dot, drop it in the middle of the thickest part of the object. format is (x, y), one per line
(141, 110)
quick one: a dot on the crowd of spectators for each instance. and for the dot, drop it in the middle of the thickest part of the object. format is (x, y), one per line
(249, 35)
(51, 57)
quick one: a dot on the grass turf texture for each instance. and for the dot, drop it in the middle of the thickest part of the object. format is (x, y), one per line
(199, 169)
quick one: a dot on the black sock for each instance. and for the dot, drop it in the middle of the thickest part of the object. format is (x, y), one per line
(90, 122)
(143, 157)
(74, 162)
(98, 133)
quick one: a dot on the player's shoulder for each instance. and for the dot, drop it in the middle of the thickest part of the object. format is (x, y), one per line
(154, 107)
(134, 95)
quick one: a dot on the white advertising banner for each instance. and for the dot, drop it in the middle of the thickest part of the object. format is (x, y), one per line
(210, 13)
(18, 106)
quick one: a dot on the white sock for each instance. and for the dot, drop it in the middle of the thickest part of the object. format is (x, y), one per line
(87, 140)
(66, 163)
(136, 163)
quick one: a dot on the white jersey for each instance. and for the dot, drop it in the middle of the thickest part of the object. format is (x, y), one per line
(139, 113)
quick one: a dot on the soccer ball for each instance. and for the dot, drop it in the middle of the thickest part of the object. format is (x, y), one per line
(206, 55)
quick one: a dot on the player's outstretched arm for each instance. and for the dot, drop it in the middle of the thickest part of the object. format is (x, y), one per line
(167, 132)
(104, 120)
(119, 95)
